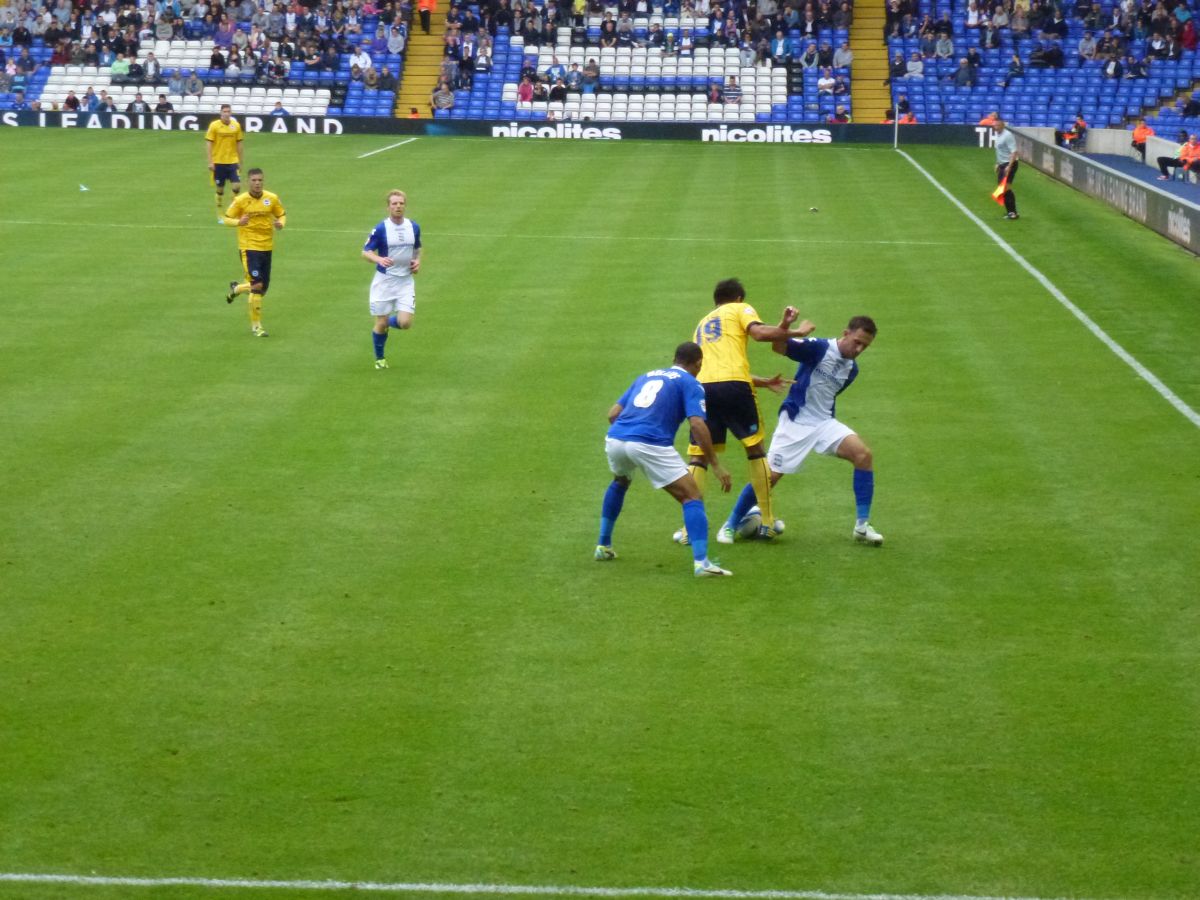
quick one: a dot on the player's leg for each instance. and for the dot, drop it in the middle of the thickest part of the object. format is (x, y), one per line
(217, 179)
(695, 522)
(614, 496)
(745, 422)
(384, 304)
(852, 448)
(237, 288)
(697, 465)
(401, 320)
(258, 268)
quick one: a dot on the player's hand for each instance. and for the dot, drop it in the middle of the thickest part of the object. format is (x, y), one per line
(723, 477)
(414, 266)
(385, 261)
(244, 220)
(778, 384)
(278, 225)
(790, 315)
(212, 167)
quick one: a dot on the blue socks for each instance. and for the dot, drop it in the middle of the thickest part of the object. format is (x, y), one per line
(696, 522)
(614, 499)
(864, 491)
(380, 341)
(392, 323)
(745, 500)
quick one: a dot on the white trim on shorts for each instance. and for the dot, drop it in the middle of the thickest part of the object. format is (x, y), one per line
(662, 465)
(793, 441)
(392, 294)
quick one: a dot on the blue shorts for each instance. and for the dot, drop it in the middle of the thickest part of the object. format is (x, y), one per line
(223, 172)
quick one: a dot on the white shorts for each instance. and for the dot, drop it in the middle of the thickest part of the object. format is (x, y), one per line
(793, 441)
(662, 465)
(392, 294)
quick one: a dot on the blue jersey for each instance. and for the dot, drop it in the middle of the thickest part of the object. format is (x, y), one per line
(655, 405)
(398, 242)
(822, 375)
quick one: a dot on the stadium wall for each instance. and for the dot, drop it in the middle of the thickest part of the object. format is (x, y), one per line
(765, 133)
(1173, 218)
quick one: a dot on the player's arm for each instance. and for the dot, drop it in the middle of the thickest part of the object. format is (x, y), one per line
(375, 242)
(233, 216)
(614, 412)
(703, 439)
(415, 265)
(280, 215)
(781, 332)
(239, 148)
(777, 383)
(208, 145)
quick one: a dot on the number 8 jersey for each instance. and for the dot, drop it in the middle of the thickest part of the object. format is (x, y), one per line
(722, 336)
(655, 405)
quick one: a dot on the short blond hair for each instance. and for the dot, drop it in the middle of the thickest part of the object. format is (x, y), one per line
(395, 193)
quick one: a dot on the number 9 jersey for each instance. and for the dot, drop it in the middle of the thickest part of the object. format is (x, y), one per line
(656, 404)
(722, 335)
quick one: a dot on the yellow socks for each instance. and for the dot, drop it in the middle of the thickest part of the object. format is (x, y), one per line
(255, 309)
(760, 479)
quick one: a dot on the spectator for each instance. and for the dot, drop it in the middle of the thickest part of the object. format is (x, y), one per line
(1087, 48)
(1113, 68)
(558, 92)
(397, 40)
(574, 77)
(591, 77)
(193, 86)
(387, 81)
(278, 111)
(217, 59)
(840, 87)
(1074, 137)
(733, 92)
(164, 105)
(71, 102)
(106, 103)
(915, 67)
(1135, 68)
(840, 116)
(824, 55)
(908, 118)
(809, 59)
(120, 66)
(152, 68)
(944, 48)
(1187, 158)
(442, 97)
(826, 83)
(715, 94)
(964, 75)
(844, 57)
(898, 68)
(525, 90)
(1016, 69)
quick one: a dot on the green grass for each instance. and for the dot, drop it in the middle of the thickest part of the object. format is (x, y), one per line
(269, 613)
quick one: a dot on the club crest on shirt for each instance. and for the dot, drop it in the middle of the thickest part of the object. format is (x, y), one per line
(267, 202)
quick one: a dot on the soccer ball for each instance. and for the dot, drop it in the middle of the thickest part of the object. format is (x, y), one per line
(747, 526)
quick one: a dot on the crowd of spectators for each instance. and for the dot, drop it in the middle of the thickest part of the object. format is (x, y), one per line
(256, 38)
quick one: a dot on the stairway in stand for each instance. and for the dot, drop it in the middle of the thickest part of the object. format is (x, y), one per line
(869, 93)
(422, 65)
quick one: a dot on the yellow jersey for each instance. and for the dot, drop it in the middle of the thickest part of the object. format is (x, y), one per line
(224, 139)
(259, 232)
(722, 335)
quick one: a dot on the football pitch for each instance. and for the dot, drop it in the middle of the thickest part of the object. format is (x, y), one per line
(271, 615)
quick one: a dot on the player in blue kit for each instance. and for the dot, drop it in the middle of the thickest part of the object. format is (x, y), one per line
(806, 421)
(642, 436)
(394, 246)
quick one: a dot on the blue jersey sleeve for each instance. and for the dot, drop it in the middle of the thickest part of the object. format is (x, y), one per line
(809, 351)
(623, 402)
(416, 236)
(377, 240)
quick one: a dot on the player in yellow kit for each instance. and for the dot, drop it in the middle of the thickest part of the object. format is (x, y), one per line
(258, 214)
(223, 144)
(729, 387)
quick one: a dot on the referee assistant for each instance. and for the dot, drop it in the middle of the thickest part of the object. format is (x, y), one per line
(1005, 143)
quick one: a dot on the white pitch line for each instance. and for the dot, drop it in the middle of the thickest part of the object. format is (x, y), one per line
(417, 887)
(1124, 355)
(506, 236)
(388, 147)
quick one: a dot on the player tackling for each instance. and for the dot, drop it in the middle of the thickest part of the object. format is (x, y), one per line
(806, 421)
